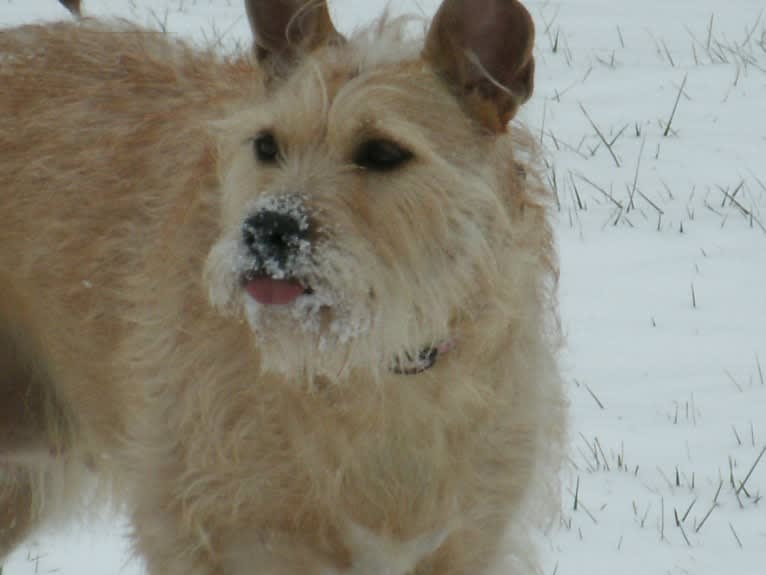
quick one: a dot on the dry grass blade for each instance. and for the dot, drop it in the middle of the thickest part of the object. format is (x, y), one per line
(675, 106)
(683, 533)
(631, 205)
(705, 518)
(580, 505)
(733, 532)
(595, 186)
(595, 398)
(601, 135)
(659, 210)
(603, 456)
(750, 473)
(576, 495)
(737, 204)
(688, 510)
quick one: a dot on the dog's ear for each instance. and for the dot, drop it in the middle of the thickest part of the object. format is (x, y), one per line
(484, 49)
(284, 30)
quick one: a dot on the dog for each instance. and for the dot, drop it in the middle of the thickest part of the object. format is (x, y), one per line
(294, 307)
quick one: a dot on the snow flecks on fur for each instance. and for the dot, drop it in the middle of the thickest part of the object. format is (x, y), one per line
(287, 205)
(296, 263)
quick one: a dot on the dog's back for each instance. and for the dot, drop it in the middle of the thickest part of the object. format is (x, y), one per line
(92, 117)
(86, 111)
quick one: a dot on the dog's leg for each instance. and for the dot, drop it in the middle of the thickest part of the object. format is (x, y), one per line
(29, 420)
(33, 423)
(22, 400)
(19, 510)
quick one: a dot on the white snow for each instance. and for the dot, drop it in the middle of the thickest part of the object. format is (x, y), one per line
(663, 257)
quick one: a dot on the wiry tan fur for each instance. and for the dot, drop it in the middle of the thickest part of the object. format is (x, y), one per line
(282, 443)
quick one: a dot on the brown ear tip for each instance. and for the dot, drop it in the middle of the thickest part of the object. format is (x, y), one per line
(527, 79)
(73, 6)
(527, 15)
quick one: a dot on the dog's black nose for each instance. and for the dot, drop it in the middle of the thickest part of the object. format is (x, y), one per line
(275, 235)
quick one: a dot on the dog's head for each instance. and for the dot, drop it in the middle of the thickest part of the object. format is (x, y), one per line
(371, 203)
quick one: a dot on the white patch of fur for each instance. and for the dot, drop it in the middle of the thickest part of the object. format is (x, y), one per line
(376, 555)
(389, 41)
(371, 554)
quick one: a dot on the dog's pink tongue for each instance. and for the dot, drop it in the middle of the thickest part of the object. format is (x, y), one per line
(269, 291)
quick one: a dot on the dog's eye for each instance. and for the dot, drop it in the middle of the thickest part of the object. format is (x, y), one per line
(381, 155)
(266, 148)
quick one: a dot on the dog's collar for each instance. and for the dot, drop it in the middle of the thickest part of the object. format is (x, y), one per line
(425, 359)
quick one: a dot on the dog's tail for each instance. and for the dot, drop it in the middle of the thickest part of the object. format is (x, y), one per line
(73, 6)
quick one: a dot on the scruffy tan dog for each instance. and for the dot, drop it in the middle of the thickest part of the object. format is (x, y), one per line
(296, 307)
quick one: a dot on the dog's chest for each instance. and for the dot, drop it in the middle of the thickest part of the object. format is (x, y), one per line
(359, 452)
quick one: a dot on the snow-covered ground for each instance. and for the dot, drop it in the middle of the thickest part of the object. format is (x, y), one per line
(653, 117)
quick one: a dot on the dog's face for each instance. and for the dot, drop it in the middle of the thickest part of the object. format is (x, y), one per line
(365, 208)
